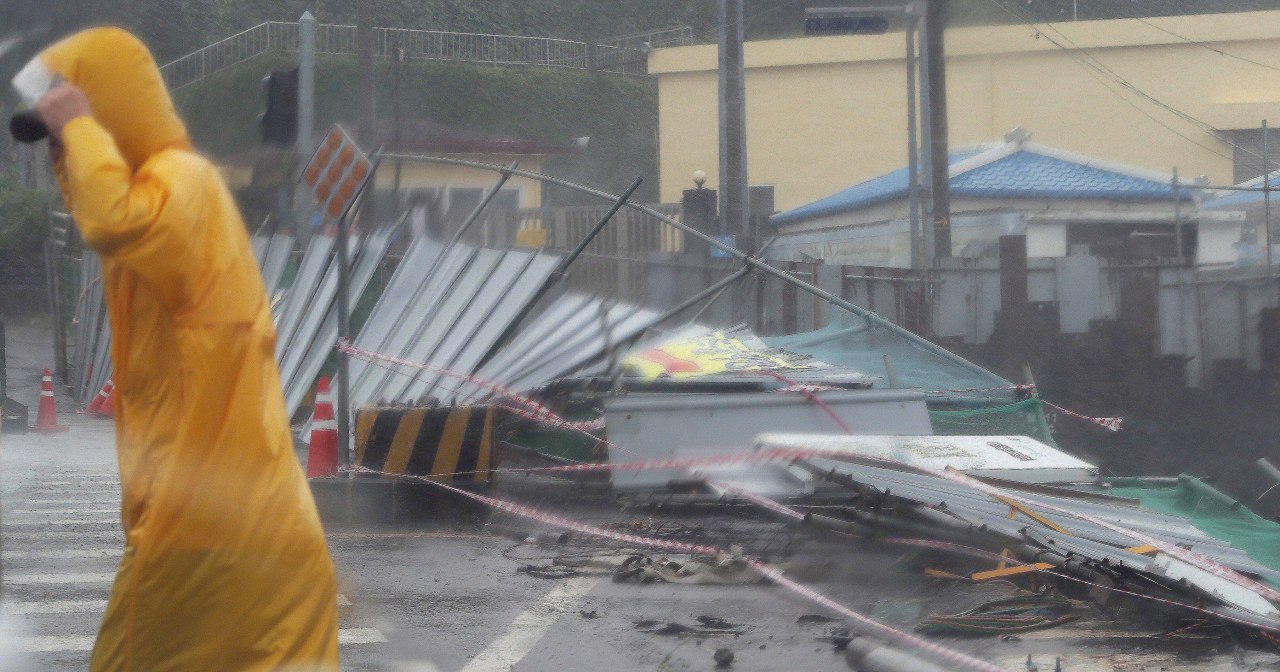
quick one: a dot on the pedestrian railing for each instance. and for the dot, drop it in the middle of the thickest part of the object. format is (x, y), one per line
(627, 54)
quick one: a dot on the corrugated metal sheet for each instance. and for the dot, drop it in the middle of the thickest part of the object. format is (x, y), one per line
(288, 312)
(317, 334)
(276, 261)
(980, 509)
(444, 308)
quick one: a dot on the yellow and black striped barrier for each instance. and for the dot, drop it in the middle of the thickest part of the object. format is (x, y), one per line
(427, 441)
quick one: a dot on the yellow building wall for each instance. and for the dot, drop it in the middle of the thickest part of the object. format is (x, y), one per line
(418, 174)
(828, 112)
(421, 174)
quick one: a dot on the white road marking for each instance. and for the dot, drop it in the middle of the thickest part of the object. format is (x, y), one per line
(360, 636)
(65, 535)
(54, 607)
(52, 578)
(67, 502)
(62, 553)
(59, 521)
(343, 601)
(530, 626)
(58, 643)
(55, 643)
(30, 514)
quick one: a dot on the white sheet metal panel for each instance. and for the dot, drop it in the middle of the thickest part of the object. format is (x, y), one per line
(1223, 589)
(318, 304)
(90, 315)
(1012, 458)
(664, 426)
(542, 335)
(302, 374)
(618, 323)
(259, 243)
(276, 261)
(431, 330)
(298, 299)
(438, 280)
(406, 283)
(511, 285)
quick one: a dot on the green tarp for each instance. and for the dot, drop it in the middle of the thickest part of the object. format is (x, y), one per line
(1023, 418)
(1210, 510)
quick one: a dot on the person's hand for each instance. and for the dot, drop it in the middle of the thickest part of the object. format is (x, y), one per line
(60, 105)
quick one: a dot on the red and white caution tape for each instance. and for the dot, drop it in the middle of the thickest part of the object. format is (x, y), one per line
(955, 658)
(1112, 424)
(524, 405)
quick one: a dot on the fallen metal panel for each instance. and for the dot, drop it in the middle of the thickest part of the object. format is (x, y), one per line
(511, 288)
(665, 426)
(451, 308)
(1089, 539)
(298, 299)
(90, 312)
(561, 318)
(259, 242)
(319, 303)
(276, 262)
(621, 323)
(304, 376)
(434, 280)
(100, 370)
(406, 283)
(1013, 458)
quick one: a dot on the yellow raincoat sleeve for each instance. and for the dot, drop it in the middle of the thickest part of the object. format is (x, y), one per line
(144, 221)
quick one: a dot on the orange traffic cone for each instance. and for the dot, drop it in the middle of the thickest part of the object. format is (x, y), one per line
(108, 407)
(322, 452)
(95, 406)
(47, 416)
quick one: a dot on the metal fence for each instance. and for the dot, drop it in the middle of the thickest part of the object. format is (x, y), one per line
(622, 55)
(613, 265)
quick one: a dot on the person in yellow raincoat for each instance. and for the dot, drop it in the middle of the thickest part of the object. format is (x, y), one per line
(225, 565)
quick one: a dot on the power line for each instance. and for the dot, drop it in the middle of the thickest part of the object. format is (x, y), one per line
(1198, 43)
(1087, 59)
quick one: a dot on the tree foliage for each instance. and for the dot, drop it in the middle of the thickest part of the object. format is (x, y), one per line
(24, 221)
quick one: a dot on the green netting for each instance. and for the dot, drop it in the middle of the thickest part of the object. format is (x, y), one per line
(1210, 510)
(1025, 418)
(962, 399)
(861, 344)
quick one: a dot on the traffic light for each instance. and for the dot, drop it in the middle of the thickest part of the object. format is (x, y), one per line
(278, 123)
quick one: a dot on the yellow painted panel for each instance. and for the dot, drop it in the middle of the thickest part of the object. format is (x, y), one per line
(455, 429)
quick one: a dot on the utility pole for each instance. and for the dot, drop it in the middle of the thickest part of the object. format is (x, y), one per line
(397, 65)
(1266, 199)
(913, 150)
(364, 100)
(733, 122)
(306, 121)
(364, 79)
(1177, 219)
(936, 94)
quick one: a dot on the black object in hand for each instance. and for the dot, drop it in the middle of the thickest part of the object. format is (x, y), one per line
(26, 126)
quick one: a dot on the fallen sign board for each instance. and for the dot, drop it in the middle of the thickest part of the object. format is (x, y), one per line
(665, 426)
(1011, 458)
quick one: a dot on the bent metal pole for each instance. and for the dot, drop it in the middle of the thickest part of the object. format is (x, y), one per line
(730, 250)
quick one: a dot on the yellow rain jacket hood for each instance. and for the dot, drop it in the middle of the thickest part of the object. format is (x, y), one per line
(225, 565)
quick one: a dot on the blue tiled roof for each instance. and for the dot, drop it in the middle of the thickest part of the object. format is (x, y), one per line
(1022, 174)
(1243, 198)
